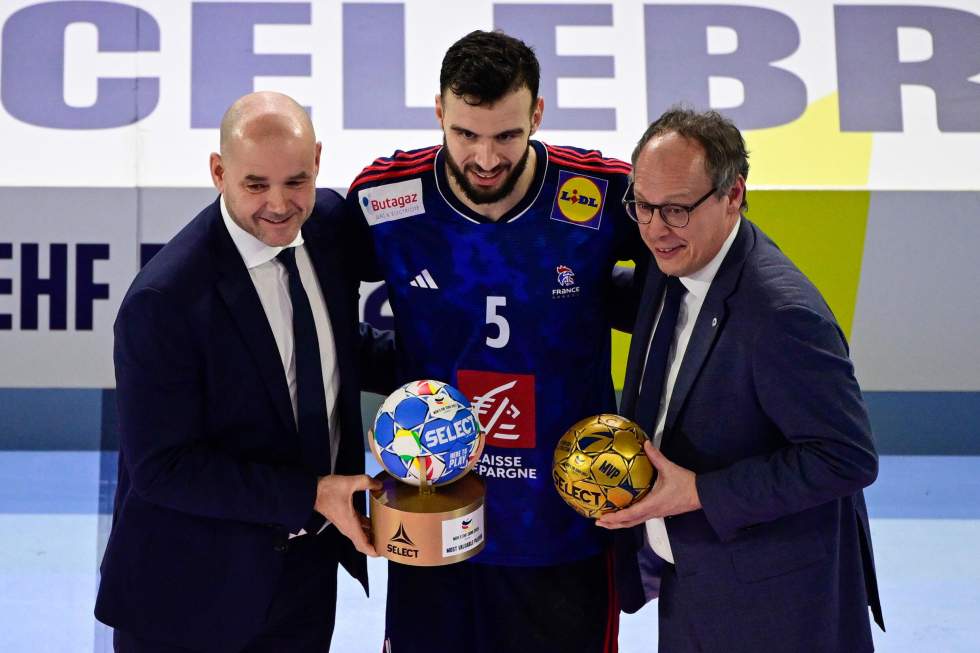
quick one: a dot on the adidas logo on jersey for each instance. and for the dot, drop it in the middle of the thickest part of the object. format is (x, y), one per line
(424, 280)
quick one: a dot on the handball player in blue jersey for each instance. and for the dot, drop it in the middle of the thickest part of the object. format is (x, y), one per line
(499, 256)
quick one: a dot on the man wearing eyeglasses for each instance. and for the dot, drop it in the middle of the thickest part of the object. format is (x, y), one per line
(761, 439)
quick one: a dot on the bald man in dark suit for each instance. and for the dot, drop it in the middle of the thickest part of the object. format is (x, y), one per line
(239, 360)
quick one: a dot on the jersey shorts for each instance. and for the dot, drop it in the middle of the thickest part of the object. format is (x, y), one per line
(566, 608)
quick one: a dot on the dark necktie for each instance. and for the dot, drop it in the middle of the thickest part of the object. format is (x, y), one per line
(311, 406)
(655, 371)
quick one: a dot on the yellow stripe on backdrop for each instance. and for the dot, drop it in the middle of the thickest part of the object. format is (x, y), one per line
(823, 233)
(809, 152)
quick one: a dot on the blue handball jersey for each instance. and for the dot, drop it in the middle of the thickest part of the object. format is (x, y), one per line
(515, 313)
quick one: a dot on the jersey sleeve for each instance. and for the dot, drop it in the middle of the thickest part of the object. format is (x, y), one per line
(384, 170)
(365, 255)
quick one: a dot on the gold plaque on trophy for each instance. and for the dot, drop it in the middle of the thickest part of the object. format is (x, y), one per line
(426, 530)
(429, 512)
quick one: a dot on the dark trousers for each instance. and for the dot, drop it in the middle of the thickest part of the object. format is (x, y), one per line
(675, 632)
(300, 618)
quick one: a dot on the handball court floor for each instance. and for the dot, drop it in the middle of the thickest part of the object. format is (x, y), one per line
(55, 511)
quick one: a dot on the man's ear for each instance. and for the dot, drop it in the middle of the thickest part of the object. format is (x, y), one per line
(736, 194)
(217, 171)
(537, 114)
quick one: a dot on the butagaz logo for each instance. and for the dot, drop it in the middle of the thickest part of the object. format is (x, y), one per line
(391, 201)
(424, 280)
(401, 544)
(504, 404)
(566, 283)
(579, 200)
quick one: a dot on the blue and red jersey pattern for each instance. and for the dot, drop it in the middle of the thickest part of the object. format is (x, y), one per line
(514, 313)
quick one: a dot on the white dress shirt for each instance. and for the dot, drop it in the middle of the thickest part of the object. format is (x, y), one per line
(271, 282)
(697, 285)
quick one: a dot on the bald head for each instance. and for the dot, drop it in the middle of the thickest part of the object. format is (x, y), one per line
(261, 116)
(266, 170)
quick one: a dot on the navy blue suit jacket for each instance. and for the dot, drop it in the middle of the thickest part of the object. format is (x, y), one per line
(211, 476)
(767, 412)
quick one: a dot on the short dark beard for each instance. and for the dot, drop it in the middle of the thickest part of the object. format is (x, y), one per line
(476, 195)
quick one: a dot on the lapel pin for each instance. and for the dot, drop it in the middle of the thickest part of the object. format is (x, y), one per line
(714, 321)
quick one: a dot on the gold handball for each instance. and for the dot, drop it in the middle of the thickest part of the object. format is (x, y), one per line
(600, 467)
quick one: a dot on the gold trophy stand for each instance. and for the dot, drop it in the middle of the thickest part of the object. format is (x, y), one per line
(425, 527)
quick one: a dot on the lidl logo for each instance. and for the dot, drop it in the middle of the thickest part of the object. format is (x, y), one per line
(579, 199)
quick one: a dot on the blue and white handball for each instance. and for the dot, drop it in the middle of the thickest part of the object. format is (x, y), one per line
(427, 427)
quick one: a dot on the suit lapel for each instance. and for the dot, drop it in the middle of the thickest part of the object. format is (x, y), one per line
(711, 320)
(653, 290)
(238, 293)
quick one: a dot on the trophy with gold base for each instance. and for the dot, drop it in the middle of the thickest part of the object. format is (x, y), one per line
(426, 437)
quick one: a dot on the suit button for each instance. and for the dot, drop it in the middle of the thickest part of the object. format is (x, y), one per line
(280, 547)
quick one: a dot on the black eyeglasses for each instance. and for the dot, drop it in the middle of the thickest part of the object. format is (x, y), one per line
(675, 215)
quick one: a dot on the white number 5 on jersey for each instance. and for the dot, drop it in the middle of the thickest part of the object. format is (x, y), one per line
(493, 317)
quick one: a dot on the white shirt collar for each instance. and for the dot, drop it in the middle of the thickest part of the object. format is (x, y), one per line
(699, 282)
(252, 250)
